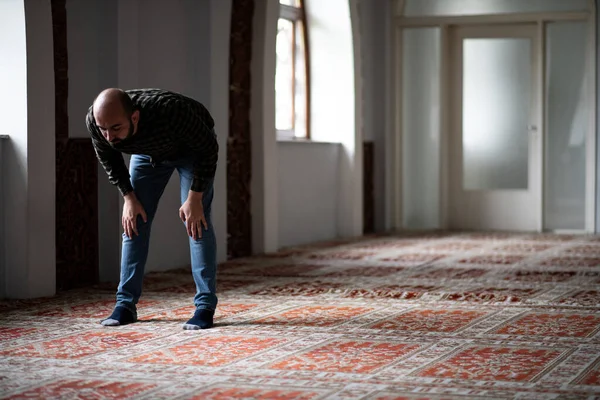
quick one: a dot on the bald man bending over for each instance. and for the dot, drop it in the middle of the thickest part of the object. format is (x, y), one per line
(164, 131)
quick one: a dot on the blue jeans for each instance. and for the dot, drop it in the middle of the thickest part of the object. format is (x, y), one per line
(149, 182)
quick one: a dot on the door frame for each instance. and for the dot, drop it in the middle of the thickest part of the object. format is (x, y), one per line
(394, 193)
(454, 152)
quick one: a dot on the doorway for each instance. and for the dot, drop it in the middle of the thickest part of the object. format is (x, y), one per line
(495, 151)
(493, 121)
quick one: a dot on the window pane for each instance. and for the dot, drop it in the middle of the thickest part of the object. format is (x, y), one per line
(421, 127)
(496, 111)
(294, 3)
(284, 75)
(567, 96)
(476, 7)
(300, 84)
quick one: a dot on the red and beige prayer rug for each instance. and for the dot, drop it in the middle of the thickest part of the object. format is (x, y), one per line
(415, 316)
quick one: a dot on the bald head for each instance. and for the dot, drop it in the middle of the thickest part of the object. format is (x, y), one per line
(114, 114)
(113, 100)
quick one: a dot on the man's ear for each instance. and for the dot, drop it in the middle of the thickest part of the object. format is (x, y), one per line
(135, 117)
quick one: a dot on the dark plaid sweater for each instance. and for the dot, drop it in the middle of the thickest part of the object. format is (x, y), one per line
(171, 126)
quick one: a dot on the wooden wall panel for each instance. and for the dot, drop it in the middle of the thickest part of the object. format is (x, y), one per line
(239, 154)
(368, 187)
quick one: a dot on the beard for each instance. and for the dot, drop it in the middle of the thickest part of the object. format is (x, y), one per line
(116, 142)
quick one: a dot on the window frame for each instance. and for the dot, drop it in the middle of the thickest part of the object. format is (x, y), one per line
(297, 15)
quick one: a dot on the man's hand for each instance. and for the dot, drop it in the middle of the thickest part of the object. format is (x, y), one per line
(131, 209)
(192, 214)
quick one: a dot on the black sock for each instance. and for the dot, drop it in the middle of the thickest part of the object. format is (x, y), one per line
(120, 316)
(202, 319)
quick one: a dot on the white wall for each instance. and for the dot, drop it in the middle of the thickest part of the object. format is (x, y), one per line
(117, 43)
(3, 139)
(13, 113)
(27, 115)
(374, 42)
(565, 146)
(308, 192)
(92, 56)
(597, 111)
(220, 28)
(336, 99)
(264, 185)
(92, 52)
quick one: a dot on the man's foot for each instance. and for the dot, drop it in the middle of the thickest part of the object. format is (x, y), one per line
(120, 316)
(202, 319)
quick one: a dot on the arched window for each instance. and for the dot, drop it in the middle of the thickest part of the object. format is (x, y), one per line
(291, 76)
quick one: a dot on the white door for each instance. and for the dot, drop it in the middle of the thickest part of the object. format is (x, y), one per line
(495, 152)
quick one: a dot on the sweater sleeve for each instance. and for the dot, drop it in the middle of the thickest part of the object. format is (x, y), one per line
(111, 160)
(198, 135)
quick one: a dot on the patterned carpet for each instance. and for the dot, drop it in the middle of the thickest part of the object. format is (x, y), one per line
(419, 316)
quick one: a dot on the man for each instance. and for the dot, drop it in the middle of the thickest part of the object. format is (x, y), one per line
(164, 131)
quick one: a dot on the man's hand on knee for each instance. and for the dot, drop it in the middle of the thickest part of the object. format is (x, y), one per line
(192, 214)
(131, 209)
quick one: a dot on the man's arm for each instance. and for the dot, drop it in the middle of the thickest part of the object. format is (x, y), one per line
(198, 136)
(111, 159)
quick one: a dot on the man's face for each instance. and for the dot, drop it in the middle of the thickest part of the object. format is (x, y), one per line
(116, 126)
